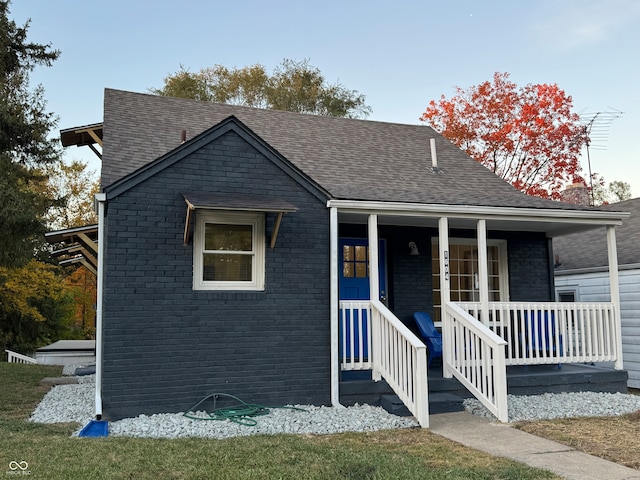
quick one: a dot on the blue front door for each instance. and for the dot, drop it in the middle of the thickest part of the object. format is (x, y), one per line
(354, 285)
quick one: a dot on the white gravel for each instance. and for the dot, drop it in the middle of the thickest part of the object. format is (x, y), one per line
(561, 405)
(75, 403)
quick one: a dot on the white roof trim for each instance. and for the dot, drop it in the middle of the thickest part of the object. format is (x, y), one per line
(590, 217)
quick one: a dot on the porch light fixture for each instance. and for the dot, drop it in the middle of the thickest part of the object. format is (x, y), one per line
(413, 249)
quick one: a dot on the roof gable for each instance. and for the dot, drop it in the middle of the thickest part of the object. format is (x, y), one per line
(184, 149)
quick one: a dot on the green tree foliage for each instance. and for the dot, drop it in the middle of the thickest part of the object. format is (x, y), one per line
(294, 86)
(75, 185)
(36, 307)
(615, 192)
(24, 146)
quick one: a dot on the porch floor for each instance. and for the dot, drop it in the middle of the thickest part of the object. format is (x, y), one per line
(447, 394)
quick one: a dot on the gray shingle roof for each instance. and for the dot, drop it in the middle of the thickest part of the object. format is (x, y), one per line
(351, 159)
(589, 249)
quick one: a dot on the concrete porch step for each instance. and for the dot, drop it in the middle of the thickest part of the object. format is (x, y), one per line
(438, 403)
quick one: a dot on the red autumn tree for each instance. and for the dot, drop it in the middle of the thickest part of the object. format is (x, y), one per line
(528, 135)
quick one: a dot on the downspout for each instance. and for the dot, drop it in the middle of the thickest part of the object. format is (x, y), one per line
(335, 307)
(101, 202)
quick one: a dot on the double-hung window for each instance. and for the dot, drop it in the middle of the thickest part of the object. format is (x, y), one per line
(229, 251)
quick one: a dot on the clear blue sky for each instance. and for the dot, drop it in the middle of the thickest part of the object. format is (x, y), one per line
(400, 54)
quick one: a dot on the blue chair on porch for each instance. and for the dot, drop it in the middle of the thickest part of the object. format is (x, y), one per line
(431, 337)
(541, 331)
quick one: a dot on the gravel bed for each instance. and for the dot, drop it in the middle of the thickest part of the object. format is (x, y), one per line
(561, 405)
(75, 403)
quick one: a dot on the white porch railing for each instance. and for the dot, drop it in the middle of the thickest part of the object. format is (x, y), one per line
(476, 357)
(548, 332)
(354, 332)
(401, 359)
(13, 357)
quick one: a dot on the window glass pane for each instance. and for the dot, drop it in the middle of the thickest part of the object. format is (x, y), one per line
(226, 267)
(436, 297)
(236, 238)
(466, 267)
(361, 270)
(453, 266)
(361, 253)
(347, 270)
(567, 296)
(347, 252)
(494, 268)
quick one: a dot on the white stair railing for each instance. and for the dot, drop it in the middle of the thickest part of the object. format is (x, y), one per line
(401, 359)
(13, 357)
(476, 357)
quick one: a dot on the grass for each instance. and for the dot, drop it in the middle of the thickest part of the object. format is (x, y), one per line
(613, 438)
(52, 453)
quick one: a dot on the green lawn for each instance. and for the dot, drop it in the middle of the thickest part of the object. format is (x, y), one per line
(51, 452)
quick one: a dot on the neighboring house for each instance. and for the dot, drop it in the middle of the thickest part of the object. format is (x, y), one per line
(582, 275)
(238, 248)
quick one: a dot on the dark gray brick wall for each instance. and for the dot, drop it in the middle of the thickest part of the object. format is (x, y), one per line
(410, 276)
(165, 345)
(529, 268)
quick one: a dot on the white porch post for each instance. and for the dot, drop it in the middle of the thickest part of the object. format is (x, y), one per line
(374, 293)
(445, 295)
(335, 306)
(483, 278)
(615, 290)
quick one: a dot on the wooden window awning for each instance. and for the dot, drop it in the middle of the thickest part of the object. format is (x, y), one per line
(237, 202)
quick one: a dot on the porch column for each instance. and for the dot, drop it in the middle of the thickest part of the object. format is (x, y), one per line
(335, 306)
(483, 278)
(374, 293)
(445, 293)
(615, 289)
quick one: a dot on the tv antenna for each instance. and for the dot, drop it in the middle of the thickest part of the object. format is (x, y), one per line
(597, 126)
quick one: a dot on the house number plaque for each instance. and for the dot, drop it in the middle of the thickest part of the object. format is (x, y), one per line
(446, 265)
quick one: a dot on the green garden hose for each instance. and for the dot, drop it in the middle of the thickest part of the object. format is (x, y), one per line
(242, 413)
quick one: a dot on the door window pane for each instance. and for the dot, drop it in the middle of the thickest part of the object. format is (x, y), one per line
(355, 261)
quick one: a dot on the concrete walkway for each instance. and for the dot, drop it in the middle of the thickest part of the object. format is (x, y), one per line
(505, 441)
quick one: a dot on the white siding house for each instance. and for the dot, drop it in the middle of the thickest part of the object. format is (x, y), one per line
(582, 275)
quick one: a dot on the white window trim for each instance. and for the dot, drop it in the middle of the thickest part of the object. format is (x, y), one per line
(256, 220)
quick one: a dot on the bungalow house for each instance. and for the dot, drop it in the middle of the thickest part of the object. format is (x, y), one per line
(262, 253)
(581, 275)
